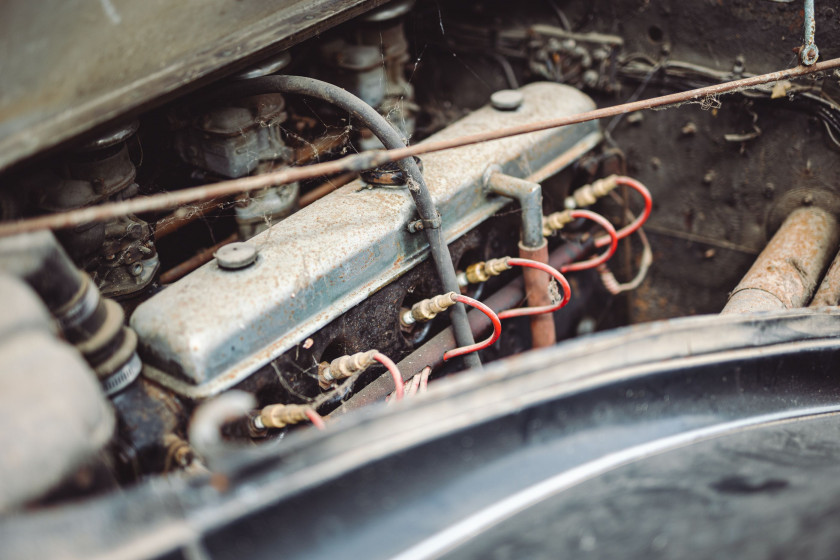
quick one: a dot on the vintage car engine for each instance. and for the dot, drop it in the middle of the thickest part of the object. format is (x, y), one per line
(413, 279)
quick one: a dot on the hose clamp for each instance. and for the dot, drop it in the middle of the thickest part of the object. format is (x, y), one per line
(418, 225)
(123, 377)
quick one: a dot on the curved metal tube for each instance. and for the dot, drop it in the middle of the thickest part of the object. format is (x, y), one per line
(391, 139)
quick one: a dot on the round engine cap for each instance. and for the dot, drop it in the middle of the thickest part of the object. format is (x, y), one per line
(507, 99)
(236, 255)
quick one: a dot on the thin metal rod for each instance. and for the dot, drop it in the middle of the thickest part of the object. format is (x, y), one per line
(204, 256)
(375, 158)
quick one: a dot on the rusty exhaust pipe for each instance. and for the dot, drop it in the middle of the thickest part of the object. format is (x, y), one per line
(786, 273)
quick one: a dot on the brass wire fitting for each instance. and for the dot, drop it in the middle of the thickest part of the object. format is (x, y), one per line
(280, 416)
(588, 195)
(556, 221)
(428, 309)
(344, 367)
(484, 271)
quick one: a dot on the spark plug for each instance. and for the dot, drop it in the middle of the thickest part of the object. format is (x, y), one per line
(428, 309)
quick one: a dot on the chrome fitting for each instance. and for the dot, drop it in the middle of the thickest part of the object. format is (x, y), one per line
(428, 309)
(344, 367)
(588, 195)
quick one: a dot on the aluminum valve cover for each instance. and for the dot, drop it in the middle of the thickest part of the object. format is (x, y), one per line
(215, 327)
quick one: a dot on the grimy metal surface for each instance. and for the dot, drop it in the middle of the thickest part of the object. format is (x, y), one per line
(213, 328)
(829, 291)
(71, 65)
(594, 396)
(787, 271)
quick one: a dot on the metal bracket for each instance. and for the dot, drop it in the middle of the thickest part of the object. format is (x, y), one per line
(419, 225)
(809, 53)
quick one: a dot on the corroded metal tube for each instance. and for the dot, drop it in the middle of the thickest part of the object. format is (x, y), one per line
(529, 196)
(786, 273)
(829, 291)
(533, 246)
(536, 290)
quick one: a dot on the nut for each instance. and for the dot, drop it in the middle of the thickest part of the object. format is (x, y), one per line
(234, 256)
(507, 100)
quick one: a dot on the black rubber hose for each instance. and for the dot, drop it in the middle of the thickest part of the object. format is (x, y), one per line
(391, 139)
(38, 259)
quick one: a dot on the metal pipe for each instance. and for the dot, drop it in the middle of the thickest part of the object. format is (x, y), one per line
(375, 158)
(204, 256)
(828, 294)
(809, 53)
(532, 246)
(391, 139)
(184, 216)
(786, 273)
(326, 188)
(431, 353)
(536, 290)
(529, 196)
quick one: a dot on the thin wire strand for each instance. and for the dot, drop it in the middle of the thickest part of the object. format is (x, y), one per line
(612, 284)
(424, 378)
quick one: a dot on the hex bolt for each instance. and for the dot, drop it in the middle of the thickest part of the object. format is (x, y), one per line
(507, 100)
(234, 256)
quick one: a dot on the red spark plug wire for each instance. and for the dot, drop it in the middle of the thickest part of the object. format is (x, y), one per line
(497, 328)
(316, 419)
(392, 368)
(524, 311)
(641, 219)
(611, 240)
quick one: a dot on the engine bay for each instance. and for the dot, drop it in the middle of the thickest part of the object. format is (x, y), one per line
(231, 280)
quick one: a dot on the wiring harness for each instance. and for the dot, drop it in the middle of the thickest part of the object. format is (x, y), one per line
(348, 368)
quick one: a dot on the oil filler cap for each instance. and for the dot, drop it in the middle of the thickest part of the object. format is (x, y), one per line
(234, 256)
(507, 100)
